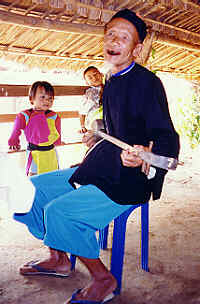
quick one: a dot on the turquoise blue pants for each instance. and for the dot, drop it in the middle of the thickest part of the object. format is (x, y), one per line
(66, 218)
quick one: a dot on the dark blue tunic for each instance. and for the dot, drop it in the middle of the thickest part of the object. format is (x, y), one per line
(135, 110)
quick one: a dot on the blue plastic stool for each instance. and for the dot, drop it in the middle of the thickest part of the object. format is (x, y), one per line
(118, 243)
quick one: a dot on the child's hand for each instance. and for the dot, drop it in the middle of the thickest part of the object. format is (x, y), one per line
(15, 148)
(89, 139)
(83, 130)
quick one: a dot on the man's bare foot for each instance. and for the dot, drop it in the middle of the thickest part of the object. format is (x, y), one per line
(97, 290)
(57, 263)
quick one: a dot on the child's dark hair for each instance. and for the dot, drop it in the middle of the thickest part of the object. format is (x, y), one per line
(91, 67)
(44, 84)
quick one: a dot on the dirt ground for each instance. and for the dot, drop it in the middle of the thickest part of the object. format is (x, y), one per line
(174, 255)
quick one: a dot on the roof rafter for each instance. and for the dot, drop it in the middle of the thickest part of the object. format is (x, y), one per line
(69, 27)
(164, 39)
(35, 33)
(50, 25)
(46, 54)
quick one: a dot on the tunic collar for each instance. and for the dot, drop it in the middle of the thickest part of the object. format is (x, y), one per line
(124, 71)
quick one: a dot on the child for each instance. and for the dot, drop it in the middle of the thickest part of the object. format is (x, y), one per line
(42, 128)
(91, 106)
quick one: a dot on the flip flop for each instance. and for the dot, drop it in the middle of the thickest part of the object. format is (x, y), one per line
(43, 271)
(107, 299)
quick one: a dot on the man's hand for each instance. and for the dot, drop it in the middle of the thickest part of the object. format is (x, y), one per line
(90, 139)
(131, 158)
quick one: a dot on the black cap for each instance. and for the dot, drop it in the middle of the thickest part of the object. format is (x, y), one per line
(135, 20)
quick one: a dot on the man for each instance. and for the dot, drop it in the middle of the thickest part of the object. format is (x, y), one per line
(70, 205)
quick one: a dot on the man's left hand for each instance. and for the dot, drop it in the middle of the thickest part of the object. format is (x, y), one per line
(131, 158)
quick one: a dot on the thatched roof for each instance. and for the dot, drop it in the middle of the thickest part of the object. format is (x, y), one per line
(68, 34)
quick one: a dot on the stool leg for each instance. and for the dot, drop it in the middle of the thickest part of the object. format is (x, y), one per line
(145, 236)
(103, 238)
(118, 247)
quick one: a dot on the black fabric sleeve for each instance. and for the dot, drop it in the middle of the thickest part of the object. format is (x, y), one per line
(159, 126)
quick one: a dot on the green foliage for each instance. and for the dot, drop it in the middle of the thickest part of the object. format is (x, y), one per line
(154, 71)
(188, 118)
(186, 111)
(153, 52)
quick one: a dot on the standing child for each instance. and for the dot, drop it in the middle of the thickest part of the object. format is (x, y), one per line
(91, 105)
(42, 128)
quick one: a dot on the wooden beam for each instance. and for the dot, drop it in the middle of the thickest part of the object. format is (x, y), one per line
(153, 9)
(31, 8)
(68, 114)
(12, 4)
(180, 5)
(164, 39)
(69, 27)
(64, 114)
(50, 25)
(161, 38)
(23, 90)
(19, 51)
(178, 72)
(7, 117)
(144, 56)
(62, 144)
(154, 23)
(42, 42)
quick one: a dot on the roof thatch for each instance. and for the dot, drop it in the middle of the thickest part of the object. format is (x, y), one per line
(68, 34)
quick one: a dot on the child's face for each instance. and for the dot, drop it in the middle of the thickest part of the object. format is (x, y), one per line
(93, 78)
(121, 44)
(42, 101)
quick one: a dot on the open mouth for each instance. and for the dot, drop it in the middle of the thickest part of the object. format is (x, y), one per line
(113, 53)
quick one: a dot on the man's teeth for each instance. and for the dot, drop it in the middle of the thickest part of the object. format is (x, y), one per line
(110, 52)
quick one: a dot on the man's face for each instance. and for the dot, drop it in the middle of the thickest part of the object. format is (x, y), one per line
(121, 44)
(93, 77)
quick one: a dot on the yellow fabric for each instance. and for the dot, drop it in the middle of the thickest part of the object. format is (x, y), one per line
(97, 114)
(54, 135)
(45, 160)
(104, 79)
